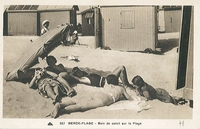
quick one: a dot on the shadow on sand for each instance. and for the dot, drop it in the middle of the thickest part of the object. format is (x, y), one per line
(167, 44)
(164, 45)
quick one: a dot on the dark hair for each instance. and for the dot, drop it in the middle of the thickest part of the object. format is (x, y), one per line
(77, 72)
(49, 58)
(112, 79)
(137, 80)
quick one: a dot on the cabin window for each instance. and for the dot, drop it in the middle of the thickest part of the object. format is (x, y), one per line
(127, 19)
(89, 18)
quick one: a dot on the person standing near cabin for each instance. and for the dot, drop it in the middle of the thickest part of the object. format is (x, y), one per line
(45, 28)
(79, 28)
(74, 38)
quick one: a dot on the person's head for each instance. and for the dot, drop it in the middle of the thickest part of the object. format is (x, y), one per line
(51, 60)
(75, 32)
(45, 23)
(137, 80)
(79, 73)
(112, 79)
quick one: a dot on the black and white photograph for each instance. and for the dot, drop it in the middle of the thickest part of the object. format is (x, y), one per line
(98, 65)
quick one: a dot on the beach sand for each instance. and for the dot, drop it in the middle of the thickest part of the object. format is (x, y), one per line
(160, 71)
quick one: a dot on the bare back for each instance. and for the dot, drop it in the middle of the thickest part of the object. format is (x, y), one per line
(115, 91)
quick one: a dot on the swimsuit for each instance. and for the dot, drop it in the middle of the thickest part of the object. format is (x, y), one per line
(42, 83)
(108, 96)
(104, 97)
(96, 80)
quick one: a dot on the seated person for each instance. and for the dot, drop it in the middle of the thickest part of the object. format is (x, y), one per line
(151, 93)
(47, 87)
(50, 85)
(99, 81)
(109, 95)
(58, 69)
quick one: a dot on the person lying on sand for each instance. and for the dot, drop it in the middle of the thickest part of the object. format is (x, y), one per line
(151, 93)
(58, 69)
(108, 95)
(99, 81)
(50, 85)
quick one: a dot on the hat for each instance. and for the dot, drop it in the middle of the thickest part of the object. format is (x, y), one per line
(75, 32)
(45, 21)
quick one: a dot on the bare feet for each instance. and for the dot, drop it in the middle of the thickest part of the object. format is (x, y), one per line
(54, 113)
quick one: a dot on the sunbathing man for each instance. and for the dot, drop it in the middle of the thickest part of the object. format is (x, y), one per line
(50, 85)
(99, 81)
(151, 93)
(104, 97)
(58, 69)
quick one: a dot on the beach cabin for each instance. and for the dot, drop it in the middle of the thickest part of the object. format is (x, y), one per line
(88, 22)
(91, 27)
(172, 18)
(27, 19)
(129, 28)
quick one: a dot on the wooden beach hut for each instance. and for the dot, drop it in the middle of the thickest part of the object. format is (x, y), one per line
(129, 28)
(27, 19)
(172, 18)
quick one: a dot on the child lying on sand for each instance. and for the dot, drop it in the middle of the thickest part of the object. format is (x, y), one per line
(150, 93)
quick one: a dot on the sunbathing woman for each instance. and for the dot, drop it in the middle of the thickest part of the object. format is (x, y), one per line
(50, 85)
(104, 97)
(99, 81)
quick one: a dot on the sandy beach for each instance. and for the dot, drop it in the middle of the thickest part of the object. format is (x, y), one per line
(160, 71)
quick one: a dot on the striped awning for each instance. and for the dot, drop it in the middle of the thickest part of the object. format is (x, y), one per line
(39, 48)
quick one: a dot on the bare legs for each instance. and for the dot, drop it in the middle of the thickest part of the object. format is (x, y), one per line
(70, 106)
(65, 84)
(64, 75)
(121, 73)
(53, 93)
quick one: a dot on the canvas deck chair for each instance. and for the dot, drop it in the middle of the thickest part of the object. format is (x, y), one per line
(39, 48)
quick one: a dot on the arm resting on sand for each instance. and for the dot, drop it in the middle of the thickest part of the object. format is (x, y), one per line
(83, 80)
(147, 95)
(32, 83)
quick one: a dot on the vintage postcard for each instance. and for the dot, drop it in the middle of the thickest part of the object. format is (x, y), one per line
(100, 64)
